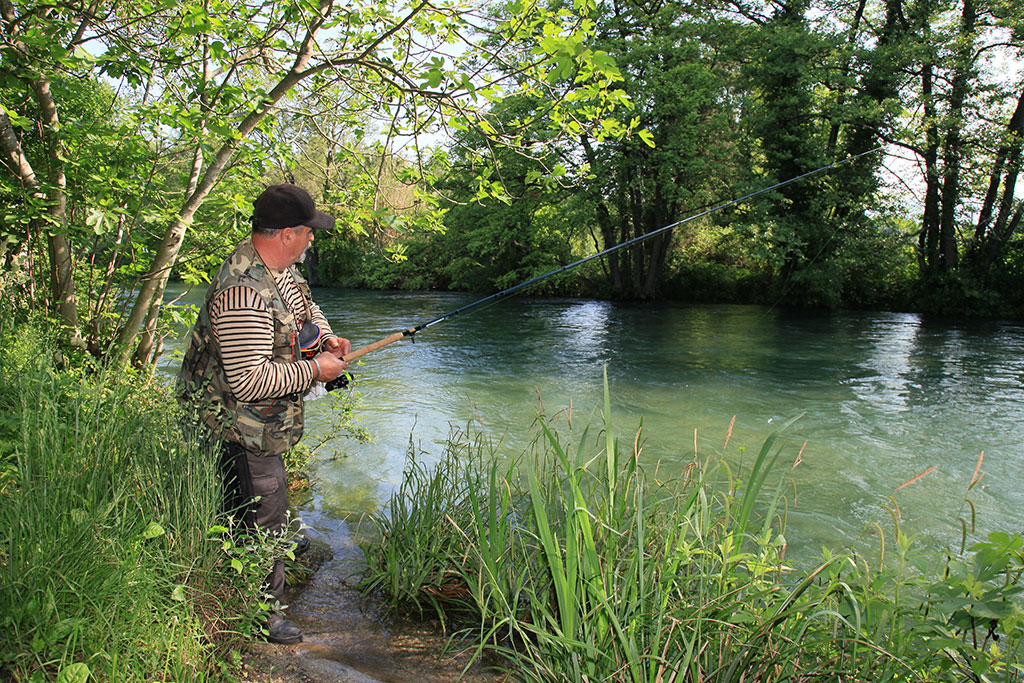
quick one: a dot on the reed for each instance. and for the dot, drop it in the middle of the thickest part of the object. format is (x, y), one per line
(574, 564)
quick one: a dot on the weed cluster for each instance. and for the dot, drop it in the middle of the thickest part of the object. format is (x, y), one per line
(574, 564)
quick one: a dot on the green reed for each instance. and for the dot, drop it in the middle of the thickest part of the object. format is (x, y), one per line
(575, 564)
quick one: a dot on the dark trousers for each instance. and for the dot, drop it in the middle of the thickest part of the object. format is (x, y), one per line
(256, 492)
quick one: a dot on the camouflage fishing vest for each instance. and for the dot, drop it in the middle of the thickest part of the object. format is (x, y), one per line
(269, 426)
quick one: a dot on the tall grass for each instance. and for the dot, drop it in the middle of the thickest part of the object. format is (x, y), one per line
(575, 564)
(107, 568)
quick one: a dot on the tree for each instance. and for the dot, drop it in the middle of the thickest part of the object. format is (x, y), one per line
(19, 47)
(966, 135)
(782, 116)
(491, 243)
(207, 75)
(1001, 212)
(680, 82)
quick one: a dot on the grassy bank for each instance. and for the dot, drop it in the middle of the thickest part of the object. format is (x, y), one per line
(114, 564)
(575, 564)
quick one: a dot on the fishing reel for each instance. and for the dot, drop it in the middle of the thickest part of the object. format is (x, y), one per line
(311, 340)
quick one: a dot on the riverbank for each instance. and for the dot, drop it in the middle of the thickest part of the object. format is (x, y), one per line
(106, 530)
(349, 637)
(115, 561)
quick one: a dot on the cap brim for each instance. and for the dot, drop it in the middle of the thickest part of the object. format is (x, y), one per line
(321, 221)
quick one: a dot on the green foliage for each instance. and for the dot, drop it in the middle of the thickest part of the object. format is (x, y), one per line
(125, 183)
(570, 127)
(104, 545)
(417, 271)
(487, 246)
(1007, 275)
(245, 557)
(100, 499)
(573, 564)
(419, 559)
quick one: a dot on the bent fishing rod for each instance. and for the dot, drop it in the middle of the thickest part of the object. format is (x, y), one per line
(494, 298)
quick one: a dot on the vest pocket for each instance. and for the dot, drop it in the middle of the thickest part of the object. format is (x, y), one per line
(270, 426)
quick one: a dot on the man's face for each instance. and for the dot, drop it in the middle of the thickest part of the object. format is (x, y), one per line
(301, 239)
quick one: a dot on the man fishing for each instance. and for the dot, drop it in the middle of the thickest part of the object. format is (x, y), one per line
(245, 375)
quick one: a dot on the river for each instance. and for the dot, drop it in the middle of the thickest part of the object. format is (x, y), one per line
(881, 398)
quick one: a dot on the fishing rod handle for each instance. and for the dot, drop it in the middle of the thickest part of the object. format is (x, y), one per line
(352, 355)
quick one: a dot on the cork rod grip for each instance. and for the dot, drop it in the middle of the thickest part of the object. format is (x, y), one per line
(352, 355)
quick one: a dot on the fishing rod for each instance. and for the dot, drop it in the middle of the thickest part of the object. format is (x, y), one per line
(494, 298)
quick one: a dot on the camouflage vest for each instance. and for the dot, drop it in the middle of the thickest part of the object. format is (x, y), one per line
(268, 426)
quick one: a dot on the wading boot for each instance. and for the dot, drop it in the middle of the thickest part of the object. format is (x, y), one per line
(282, 631)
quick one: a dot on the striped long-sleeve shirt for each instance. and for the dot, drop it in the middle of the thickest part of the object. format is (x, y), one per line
(244, 330)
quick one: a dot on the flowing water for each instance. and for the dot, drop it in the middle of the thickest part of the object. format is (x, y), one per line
(881, 398)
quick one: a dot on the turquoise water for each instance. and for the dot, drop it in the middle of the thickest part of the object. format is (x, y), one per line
(881, 397)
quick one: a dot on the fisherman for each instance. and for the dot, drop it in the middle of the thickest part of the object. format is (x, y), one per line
(244, 373)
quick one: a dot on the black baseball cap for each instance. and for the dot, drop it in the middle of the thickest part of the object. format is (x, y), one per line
(288, 206)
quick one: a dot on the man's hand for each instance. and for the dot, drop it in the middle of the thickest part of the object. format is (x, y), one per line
(338, 346)
(330, 366)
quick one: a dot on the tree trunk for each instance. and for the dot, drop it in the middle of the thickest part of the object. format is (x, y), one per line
(147, 340)
(636, 205)
(62, 283)
(656, 263)
(851, 40)
(989, 238)
(880, 84)
(104, 294)
(928, 241)
(604, 221)
(661, 213)
(62, 272)
(1014, 131)
(1003, 231)
(953, 145)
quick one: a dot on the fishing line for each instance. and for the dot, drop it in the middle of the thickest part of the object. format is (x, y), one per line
(498, 296)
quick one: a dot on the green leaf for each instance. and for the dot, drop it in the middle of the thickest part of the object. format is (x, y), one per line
(94, 219)
(218, 52)
(236, 564)
(178, 594)
(16, 120)
(74, 673)
(152, 531)
(433, 78)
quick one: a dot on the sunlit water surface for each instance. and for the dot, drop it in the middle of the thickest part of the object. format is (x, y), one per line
(881, 397)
